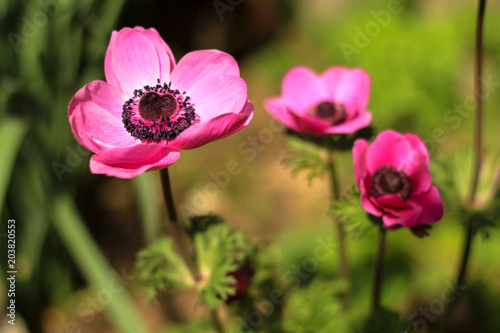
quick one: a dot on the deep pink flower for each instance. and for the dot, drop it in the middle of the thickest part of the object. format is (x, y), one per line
(395, 181)
(331, 103)
(149, 107)
(243, 278)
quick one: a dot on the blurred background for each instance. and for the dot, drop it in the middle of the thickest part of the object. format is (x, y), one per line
(77, 234)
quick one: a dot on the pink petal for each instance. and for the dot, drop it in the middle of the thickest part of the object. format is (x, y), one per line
(369, 206)
(418, 145)
(95, 113)
(350, 126)
(366, 197)
(405, 217)
(133, 62)
(420, 176)
(101, 125)
(392, 201)
(196, 65)
(128, 162)
(358, 156)
(351, 87)
(388, 149)
(277, 108)
(432, 206)
(302, 89)
(163, 50)
(129, 155)
(215, 95)
(417, 166)
(310, 125)
(214, 129)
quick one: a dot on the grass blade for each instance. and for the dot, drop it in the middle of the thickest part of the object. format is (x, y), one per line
(145, 186)
(12, 131)
(93, 265)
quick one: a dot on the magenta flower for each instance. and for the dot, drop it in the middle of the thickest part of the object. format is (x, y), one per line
(332, 103)
(395, 181)
(149, 108)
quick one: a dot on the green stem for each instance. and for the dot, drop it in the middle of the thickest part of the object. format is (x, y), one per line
(94, 266)
(469, 233)
(343, 262)
(378, 268)
(478, 88)
(477, 145)
(460, 281)
(181, 241)
(216, 321)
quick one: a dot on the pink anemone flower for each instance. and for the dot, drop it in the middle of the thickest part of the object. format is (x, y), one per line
(149, 108)
(394, 178)
(331, 103)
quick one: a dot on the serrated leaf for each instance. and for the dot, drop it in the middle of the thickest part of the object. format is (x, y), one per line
(162, 268)
(220, 251)
(316, 308)
(201, 223)
(452, 174)
(304, 156)
(356, 220)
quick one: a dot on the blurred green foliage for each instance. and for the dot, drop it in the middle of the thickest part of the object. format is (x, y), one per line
(420, 64)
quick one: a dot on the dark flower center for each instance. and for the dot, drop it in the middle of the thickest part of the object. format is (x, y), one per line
(333, 113)
(157, 113)
(154, 107)
(388, 180)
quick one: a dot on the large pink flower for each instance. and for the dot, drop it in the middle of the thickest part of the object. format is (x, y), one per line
(331, 103)
(149, 108)
(395, 181)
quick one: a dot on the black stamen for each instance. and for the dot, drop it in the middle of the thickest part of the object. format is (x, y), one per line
(157, 112)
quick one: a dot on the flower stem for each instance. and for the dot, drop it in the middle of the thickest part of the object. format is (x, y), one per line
(379, 263)
(181, 241)
(478, 88)
(469, 233)
(460, 281)
(343, 263)
(216, 321)
(477, 146)
(477, 140)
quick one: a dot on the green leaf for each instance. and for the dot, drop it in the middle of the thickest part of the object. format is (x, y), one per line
(12, 132)
(201, 223)
(357, 221)
(304, 156)
(316, 308)
(93, 265)
(452, 174)
(220, 251)
(162, 268)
